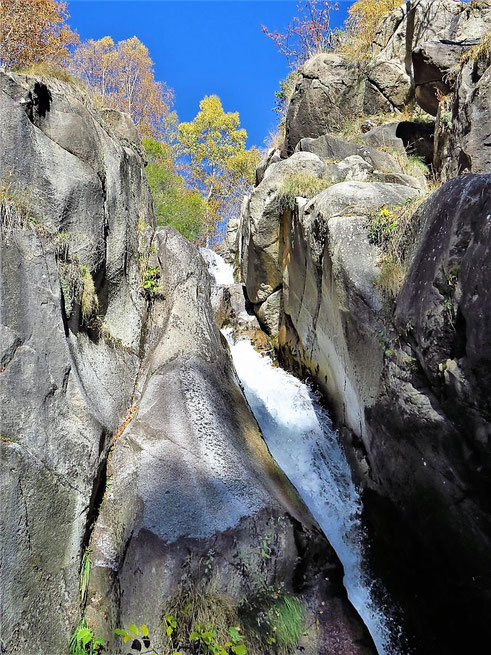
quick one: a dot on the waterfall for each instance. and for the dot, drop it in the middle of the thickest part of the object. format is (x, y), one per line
(301, 438)
(221, 272)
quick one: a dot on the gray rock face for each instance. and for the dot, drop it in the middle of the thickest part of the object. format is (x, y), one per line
(127, 433)
(333, 148)
(328, 91)
(404, 54)
(463, 136)
(434, 413)
(73, 193)
(260, 224)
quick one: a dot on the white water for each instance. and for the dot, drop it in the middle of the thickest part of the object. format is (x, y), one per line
(301, 439)
(221, 272)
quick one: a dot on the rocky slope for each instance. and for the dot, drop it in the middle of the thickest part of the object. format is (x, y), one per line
(132, 468)
(405, 371)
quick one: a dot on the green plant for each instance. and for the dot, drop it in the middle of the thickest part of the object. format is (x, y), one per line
(382, 226)
(301, 184)
(83, 641)
(89, 303)
(200, 620)
(446, 118)
(275, 618)
(139, 636)
(416, 165)
(150, 282)
(85, 575)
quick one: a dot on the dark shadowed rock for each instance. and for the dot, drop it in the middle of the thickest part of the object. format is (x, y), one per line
(404, 136)
(463, 136)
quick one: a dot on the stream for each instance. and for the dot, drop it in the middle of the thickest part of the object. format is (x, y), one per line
(301, 438)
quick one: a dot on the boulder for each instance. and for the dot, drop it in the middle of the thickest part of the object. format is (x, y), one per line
(272, 156)
(328, 92)
(270, 313)
(72, 194)
(359, 198)
(434, 414)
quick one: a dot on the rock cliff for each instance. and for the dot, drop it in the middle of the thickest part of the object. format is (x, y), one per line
(397, 340)
(132, 468)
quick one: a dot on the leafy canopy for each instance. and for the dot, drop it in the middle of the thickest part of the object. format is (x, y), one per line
(122, 75)
(33, 31)
(213, 148)
(175, 205)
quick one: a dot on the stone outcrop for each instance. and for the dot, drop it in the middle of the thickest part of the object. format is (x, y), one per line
(405, 377)
(72, 194)
(415, 51)
(328, 91)
(128, 442)
(463, 134)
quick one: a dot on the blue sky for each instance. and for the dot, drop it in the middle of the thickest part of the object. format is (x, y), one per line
(203, 47)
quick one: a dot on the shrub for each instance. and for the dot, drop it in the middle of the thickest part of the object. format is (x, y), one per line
(201, 621)
(42, 69)
(89, 303)
(83, 641)
(391, 276)
(302, 184)
(150, 282)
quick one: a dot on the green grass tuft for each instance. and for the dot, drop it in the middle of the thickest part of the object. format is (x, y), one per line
(302, 184)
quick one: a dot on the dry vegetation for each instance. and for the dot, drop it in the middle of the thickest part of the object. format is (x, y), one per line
(302, 184)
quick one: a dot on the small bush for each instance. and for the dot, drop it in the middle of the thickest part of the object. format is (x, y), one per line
(391, 276)
(89, 303)
(302, 184)
(150, 282)
(196, 615)
(83, 641)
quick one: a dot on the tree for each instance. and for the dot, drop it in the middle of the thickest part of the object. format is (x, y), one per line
(33, 31)
(308, 34)
(213, 146)
(175, 205)
(122, 76)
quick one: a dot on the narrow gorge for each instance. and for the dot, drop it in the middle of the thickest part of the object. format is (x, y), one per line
(281, 445)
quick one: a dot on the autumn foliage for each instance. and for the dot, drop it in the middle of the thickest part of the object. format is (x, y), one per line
(213, 145)
(33, 31)
(122, 76)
